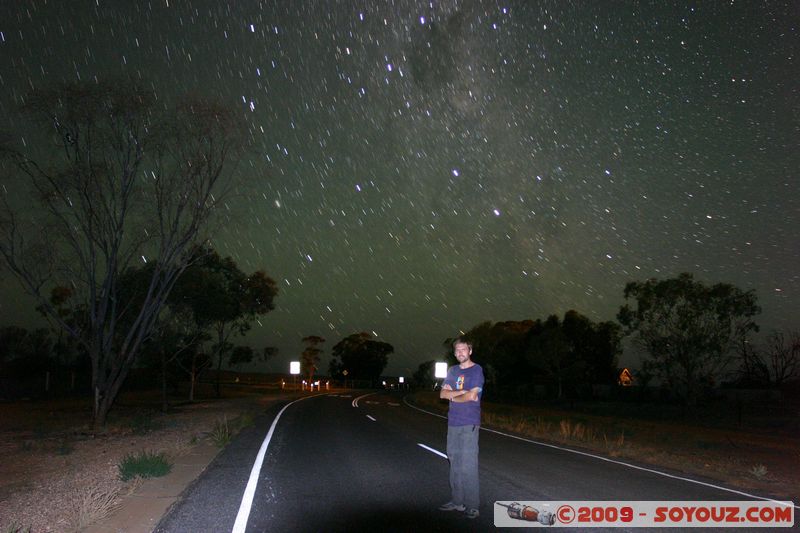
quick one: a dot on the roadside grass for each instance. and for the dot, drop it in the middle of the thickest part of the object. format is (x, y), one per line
(93, 503)
(714, 450)
(221, 434)
(223, 431)
(145, 465)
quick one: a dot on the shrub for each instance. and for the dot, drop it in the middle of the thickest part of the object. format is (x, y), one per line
(759, 471)
(145, 465)
(221, 434)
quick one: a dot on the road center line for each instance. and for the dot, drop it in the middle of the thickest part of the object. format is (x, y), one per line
(250, 490)
(354, 403)
(437, 452)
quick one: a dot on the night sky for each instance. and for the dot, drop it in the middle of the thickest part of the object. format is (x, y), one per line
(421, 167)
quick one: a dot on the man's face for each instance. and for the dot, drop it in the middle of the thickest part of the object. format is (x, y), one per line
(462, 352)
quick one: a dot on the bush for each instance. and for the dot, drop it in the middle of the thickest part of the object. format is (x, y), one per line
(221, 435)
(145, 465)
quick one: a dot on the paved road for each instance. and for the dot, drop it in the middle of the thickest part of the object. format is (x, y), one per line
(368, 463)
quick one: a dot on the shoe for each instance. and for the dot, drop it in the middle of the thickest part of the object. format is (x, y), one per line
(450, 506)
(472, 513)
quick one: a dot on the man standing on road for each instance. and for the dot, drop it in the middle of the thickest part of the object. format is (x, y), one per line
(463, 386)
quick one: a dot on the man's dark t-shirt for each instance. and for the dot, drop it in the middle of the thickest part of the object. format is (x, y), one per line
(465, 413)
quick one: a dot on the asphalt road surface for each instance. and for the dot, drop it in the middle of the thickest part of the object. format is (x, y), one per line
(369, 462)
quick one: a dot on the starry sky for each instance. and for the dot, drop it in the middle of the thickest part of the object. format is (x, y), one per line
(421, 167)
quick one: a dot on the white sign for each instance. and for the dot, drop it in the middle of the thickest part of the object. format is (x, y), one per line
(294, 367)
(440, 371)
(402, 379)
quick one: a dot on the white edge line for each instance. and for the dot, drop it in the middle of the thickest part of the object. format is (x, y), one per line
(600, 457)
(250, 490)
(371, 418)
(437, 452)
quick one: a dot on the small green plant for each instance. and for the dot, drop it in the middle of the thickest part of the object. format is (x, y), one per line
(221, 434)
(759, 471)
(145, 465)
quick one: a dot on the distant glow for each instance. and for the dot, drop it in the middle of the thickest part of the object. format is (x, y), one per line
(455, 172)
(496, 212)
(422, 20)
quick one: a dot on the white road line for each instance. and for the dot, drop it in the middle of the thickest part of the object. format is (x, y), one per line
(354, 403)
(437, 452)
(371, 418)
(606, 459)
(250, 490)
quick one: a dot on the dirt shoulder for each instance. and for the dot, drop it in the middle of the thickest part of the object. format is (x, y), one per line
(51, 455)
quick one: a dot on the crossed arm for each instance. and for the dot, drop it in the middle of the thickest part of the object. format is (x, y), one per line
(447, 393)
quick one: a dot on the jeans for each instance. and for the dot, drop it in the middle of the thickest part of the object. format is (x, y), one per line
(462, 451)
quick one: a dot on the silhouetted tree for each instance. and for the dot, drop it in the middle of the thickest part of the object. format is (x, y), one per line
(25, 352)
(361, 356)
(423, 376)
(225, 300)
(309, 359)
(136, 181)
(777, 362)
(690, 330)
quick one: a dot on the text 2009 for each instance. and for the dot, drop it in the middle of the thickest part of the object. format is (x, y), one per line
(604, 514)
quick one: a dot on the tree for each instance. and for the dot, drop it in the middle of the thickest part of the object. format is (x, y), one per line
(689, 329)
(361, 356)
(225, 300)
(782, 357)
(309, 359)
(129, 182)
(24, 352)
(423, 376)
(776, 363)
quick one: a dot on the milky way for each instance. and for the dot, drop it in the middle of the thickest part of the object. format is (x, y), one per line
(420, 167)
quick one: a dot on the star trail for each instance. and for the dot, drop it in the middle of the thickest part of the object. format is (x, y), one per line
(419, 167)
